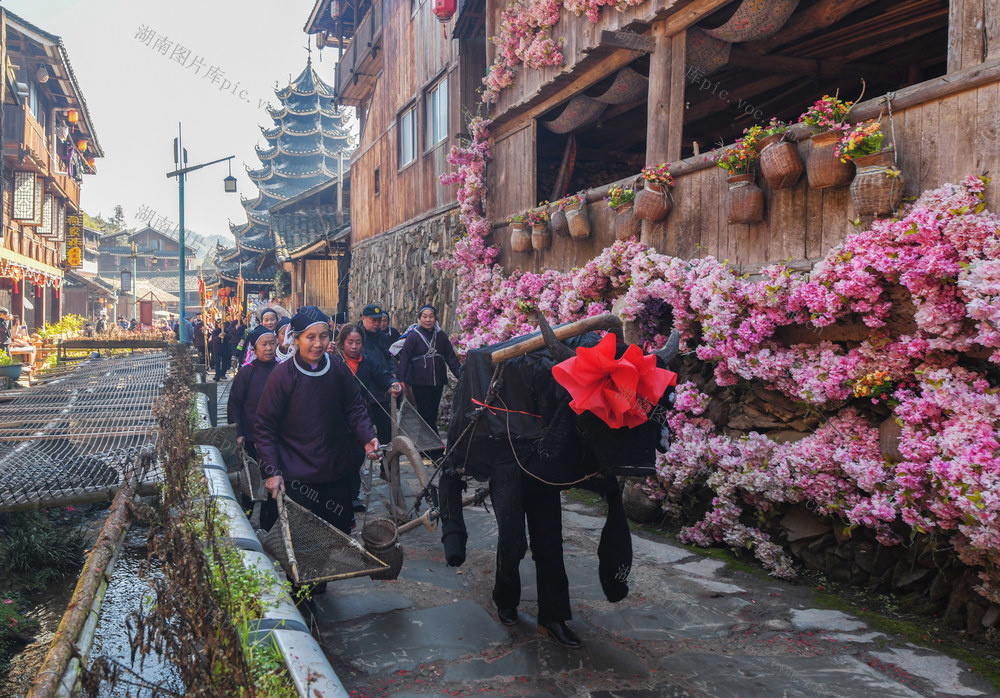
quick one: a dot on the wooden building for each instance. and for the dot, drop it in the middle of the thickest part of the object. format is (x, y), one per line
(658, 81)
(411, 85)
(711, 68)
(48, 145)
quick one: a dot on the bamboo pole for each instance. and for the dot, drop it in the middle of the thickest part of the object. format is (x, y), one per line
(95, 572)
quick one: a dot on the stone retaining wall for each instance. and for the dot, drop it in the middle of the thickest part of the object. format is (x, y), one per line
(396, 270)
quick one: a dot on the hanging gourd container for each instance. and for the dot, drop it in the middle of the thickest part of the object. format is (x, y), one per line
(824, 168)
(578, 220)
(541, 238)
(444, 10)
(560, 226)
(877, 188)
(779, 162)
(627, 226)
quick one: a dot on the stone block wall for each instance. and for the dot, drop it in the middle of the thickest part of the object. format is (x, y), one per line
(396, 270)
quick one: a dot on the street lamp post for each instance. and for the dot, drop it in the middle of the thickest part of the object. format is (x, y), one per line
(180, 159)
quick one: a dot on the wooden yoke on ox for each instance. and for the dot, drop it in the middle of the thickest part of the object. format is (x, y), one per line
(605, 322)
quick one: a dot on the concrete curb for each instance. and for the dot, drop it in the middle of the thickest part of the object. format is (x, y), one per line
(309, 668)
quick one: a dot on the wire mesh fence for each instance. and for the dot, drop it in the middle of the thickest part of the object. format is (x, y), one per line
(73, 439)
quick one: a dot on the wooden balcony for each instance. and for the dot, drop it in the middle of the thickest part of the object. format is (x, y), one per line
(68, 187)
(362, 60)
(24, 139)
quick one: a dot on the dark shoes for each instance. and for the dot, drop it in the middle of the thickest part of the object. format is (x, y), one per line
(358, 505)
(507, 616)
(558, 631)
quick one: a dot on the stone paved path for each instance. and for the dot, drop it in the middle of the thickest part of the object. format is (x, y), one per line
(689, 627)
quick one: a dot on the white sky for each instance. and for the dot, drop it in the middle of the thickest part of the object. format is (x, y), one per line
(136, 96)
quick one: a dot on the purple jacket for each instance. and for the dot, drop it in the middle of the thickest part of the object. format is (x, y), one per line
(306, 419)
(248, 386)
(426, 357)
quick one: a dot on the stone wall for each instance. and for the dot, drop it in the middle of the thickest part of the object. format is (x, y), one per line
(396, 270)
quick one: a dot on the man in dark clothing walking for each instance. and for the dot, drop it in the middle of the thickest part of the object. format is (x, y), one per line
(375, 351)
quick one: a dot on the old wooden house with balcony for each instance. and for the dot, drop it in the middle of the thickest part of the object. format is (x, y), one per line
(412, 85)
(666, 82)
(660, 81)
(49, 144)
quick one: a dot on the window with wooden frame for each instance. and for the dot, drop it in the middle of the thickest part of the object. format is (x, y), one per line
(377, 186)
(436, 109)
(406, 125)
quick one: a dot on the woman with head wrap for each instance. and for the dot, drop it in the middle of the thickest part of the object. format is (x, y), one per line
(424, 360)
(309, 414)
(244, 396)
(375, 383)
(285, 345)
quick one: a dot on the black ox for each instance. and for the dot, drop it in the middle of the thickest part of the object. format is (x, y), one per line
(512, 425)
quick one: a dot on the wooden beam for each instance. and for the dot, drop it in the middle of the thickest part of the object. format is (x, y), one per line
(687, 16)
(968, 33)
(741, 58)
(724, 99)
(633, 41)
(665, 98)
(814, 18)
(514, 118)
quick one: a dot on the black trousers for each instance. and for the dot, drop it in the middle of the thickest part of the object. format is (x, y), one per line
(428, 399)
(382, 421)
(222, 360)
(517, 498)
(331, 501)
(269, 507)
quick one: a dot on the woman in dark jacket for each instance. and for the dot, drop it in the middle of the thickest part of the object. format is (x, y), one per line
(424, 360)
(307, 417)
(244, 396)
(375, 382)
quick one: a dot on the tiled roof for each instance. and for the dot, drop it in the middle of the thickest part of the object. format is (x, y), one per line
(295, 231)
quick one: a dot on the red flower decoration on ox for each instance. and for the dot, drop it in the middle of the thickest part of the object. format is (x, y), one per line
(622, 392)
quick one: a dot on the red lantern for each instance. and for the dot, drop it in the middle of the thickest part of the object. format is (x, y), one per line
(444, 10)
(90, 161)
(73, 116)
(82, 145)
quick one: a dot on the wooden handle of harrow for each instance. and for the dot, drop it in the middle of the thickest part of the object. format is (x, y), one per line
(607, 321)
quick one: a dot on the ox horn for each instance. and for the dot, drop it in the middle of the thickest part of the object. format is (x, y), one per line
(669, 351)
(559, 351)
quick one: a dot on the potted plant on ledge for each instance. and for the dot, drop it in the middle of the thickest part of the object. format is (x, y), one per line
(745, 200)
(877, 188)
(520, 241)
(622, 200)
(653, 202)
(538, 219)
(9, 369)
(575, 209)
(826, 118)
(779, 158)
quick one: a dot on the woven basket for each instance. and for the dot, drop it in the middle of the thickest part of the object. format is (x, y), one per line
(541, 238)
(520, 241)
(745, 201)
(560, 226)
(780, 163)
(653, 202)
(578, 220)
(381, 539)
(626, 224)
(889, 432)
(874, 191)
(823, 168)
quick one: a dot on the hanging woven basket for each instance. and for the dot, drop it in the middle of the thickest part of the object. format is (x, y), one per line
(823, 168)
(877, 188)
(653, 202)
(889, 432)
(520, 241)
(578, 220)
(745, 200)
(780, 162)
(559, 224)
(541, 238)
(626, 224)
